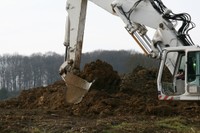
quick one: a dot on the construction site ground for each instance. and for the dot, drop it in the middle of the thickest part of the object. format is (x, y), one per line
(115, 104)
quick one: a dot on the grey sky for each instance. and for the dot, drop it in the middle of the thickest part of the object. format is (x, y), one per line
(28, 26)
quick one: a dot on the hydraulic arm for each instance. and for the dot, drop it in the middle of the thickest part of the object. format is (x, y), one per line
(138, 16)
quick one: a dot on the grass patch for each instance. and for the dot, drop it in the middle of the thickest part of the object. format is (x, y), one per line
(177, 124)
(124, 126)
(34, 130)
(127, 127)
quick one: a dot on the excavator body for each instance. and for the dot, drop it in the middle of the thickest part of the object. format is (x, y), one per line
(171, 44)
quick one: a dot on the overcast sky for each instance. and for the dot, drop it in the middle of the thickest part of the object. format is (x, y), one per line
(30, 26)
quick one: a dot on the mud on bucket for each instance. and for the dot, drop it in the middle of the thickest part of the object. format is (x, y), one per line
(76, 88)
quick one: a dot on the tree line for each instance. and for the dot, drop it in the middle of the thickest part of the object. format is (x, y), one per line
(122, 61)
(18, 72)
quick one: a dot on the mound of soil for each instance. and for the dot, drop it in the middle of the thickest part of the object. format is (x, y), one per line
(110, 95)
(126, 103)
(49, 97)
(103, 75)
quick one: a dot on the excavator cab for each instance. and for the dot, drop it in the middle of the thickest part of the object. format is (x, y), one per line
(182, 81)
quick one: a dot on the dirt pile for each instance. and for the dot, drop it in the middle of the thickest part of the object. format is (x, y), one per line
(49, 97)
(103, 74)
(110, 95)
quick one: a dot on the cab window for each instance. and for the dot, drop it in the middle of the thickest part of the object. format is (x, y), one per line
(193, 67)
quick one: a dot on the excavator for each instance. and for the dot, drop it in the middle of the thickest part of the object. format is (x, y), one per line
(170, 43)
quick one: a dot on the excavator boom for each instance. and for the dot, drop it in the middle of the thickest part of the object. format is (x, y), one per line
(75, 23)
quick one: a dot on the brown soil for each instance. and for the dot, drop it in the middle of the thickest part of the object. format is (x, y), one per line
(114, 104)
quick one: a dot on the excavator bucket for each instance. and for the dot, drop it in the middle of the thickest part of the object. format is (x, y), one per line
(76, 88)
